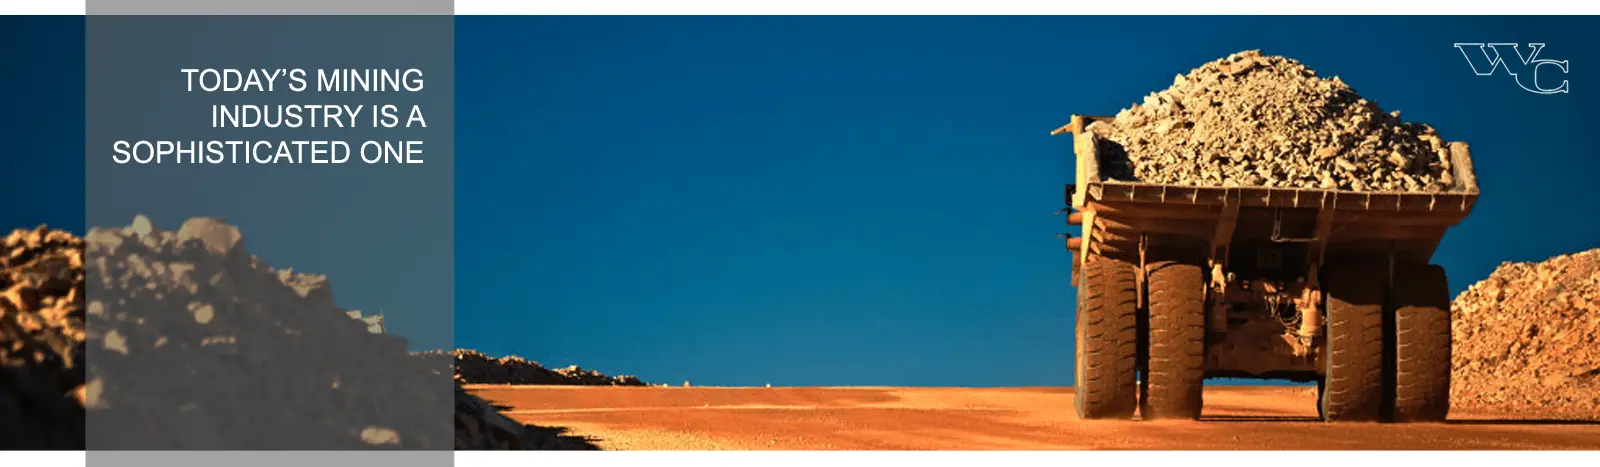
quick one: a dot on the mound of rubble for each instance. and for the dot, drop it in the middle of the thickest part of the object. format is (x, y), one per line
(1259, 120)
(196, 344)
(41, 341)
(1527, 340)
(480, 426)
(477, 368)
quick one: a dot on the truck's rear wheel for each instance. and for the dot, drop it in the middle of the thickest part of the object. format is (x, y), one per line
(1352, 355)
(1422, 344)
(1175, 365)
(1107, 340)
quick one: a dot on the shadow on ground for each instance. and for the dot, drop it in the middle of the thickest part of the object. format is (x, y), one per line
(562, 441)
(1257, 418)
(1469, 422)
(1535, 421)
(555, 438)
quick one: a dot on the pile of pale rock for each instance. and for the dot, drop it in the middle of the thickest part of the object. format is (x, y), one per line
(1527, 340)
(478, 368)
(196, 344)
(41, 341)
(1258, 120)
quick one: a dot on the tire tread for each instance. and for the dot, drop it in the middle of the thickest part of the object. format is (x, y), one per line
(1175, 367)
(1106, 380)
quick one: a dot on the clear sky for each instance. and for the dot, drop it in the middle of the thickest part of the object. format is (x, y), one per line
(863, 201)
(867, 201)
(42, 86)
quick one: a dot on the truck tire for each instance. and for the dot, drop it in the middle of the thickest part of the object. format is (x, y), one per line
(1352, 355)
(1175, 362)
(1422, 344)
(1107, 340)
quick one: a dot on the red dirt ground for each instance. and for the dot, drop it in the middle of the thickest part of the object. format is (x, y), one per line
(808, 418)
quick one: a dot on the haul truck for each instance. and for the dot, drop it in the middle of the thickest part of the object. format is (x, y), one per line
(1177, 284)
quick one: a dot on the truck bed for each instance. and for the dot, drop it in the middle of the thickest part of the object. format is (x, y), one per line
(1116, 213)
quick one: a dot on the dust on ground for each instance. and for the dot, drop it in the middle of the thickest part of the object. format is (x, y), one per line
(667, 418)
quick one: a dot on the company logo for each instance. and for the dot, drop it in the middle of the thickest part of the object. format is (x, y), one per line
(1488, 58)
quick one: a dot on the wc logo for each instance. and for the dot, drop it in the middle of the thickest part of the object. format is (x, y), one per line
(1486, 59)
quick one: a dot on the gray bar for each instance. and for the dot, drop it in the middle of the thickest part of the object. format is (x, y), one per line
(274, 305)
(271, 7)
(269, 458)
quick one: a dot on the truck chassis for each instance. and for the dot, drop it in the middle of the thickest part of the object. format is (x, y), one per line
(1177, 284)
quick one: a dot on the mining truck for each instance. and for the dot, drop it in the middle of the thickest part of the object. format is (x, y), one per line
(1177, 284)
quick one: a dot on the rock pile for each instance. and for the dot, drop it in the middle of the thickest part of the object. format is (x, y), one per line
(41, 341)
(196, 344)
(374, 323)
(1527, 339)
(477, 368)
(1258, 120)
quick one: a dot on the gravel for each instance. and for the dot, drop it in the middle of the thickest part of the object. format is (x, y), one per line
(1260, 120)
(41, 341)
(1527, 339)
(475, 367)
(197, 344)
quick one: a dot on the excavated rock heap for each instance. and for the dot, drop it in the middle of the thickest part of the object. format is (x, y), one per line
(41, 340)
(1258, 120)
(1527, 340)
(196, 344)
(477, 368)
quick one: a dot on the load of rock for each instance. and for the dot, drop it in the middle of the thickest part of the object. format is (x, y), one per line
(41, 341)
(1251, 119)
(196, 344)
(1527, 340)
(475, 367)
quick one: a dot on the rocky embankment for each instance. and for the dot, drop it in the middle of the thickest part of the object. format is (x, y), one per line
(1251, 119)
(197, 344)
(41, 340)
(475, 367)
(1527, 340)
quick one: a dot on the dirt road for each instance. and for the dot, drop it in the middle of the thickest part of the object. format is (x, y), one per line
(658, 418)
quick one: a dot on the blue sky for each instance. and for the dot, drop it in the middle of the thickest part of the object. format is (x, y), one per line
(861, 201)
(42, 84)
(865, 201)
